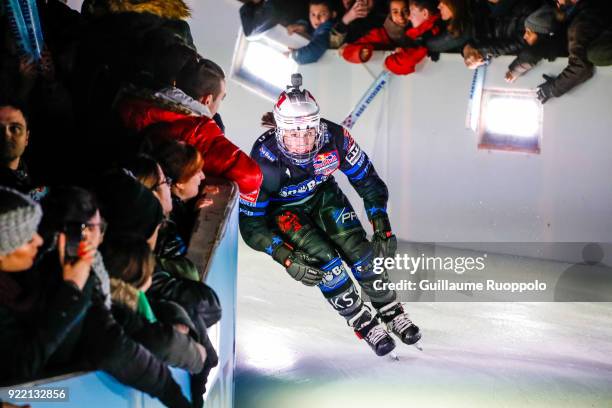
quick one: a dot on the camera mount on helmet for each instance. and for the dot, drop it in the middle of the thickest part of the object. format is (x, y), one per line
(299, 131)
(296, 82)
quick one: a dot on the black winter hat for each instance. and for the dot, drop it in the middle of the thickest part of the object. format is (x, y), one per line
(130, 209)
(542, 21)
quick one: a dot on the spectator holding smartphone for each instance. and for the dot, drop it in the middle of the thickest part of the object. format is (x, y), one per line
(34, 322)
(360, 17)
(98, 341)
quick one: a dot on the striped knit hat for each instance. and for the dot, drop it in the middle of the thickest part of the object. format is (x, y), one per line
(18, 222)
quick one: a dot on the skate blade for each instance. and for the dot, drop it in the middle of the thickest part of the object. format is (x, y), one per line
(418, 346)
(393, 356)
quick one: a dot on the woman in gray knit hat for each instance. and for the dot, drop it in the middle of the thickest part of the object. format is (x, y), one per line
(19, 241)
(33, 321)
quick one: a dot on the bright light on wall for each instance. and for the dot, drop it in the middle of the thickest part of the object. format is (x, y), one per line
(261, 63)
(512, 116)
(510, 120)
(268, 63)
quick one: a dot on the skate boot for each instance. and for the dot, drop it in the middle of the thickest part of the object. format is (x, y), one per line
(368, 328)
(399, 324)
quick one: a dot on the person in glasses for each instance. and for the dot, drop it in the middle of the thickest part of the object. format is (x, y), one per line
(171, 248)
(36, 323)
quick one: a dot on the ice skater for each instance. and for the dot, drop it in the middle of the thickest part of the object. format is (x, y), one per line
(304, 221)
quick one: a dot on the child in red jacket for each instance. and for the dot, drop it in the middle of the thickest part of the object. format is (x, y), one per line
(409, 49)
(388, 37)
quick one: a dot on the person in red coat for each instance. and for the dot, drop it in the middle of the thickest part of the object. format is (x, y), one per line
(387, 37)
(184, 112)
(409, 46)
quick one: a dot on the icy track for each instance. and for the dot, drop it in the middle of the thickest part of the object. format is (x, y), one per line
(294, 351)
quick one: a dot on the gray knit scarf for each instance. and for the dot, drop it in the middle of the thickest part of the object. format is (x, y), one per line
(100, 270)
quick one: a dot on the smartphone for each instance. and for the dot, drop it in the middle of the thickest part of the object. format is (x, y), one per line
(74, 236)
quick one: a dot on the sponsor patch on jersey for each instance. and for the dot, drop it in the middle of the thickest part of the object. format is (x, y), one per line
(345, 217)
(354, 154)
(288, 222)
(302, 188)
(249, 199)
(265, 152)
(326, 163)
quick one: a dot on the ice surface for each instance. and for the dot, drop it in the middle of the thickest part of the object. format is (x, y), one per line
(293, 350)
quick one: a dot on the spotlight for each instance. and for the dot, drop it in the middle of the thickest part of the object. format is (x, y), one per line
(510, 120)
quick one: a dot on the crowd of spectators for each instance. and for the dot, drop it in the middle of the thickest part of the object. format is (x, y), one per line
(105, 141)
(531, 30)
(106, 138)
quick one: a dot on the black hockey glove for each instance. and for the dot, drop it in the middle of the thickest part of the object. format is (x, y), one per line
(545, 89)
(297, 265)
(383, 240)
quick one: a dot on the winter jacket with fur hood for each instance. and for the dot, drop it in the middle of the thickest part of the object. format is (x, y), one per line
(170, 346)
(178, 116)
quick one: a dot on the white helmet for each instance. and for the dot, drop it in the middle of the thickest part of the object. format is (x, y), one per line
(299, 131)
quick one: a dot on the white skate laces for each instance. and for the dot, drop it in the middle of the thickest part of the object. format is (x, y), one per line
(367, 327)
(400, 323)
(376, 334)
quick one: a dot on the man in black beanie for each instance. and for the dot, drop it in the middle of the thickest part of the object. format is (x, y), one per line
(587, 21)
(545, 39)
(129, 208)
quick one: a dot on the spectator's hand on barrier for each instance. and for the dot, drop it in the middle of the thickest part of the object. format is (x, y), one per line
(77, 272)
(510, 77)
(268, 121)
(181, 328)
(359, 10)
(365, 54)
(296, 28)
(544, 92)
(211, 190)
(204, 202)
(472, 57)
(341, 50)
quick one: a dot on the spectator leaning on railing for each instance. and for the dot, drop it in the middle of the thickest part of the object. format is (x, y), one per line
(359, 18)
(34, 322)
(185, 113)
(497, 30)
(391, 35)
(545, 38)
(321, 15)
(101, 342)
(133, 211)
(587, 36)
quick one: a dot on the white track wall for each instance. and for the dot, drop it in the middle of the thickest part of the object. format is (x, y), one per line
(442, 187)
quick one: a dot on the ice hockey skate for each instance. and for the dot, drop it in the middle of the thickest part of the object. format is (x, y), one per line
(398, 323)
(368, 328)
